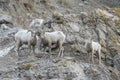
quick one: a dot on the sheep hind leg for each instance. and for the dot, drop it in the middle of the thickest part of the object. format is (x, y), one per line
(61, 50)
(59, 53)
(99, 57)
(33, 50)
(50, 50)
(92, 56)
(19, 44)
(29, 47)
(18, 47)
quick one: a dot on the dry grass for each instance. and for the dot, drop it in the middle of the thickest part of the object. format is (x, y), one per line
(117, 22)
(94, 15)
(67, 3)
(3, 12)
(101, 15)
(117, 48)
(116, 11)
(25, 67)
(92, 18)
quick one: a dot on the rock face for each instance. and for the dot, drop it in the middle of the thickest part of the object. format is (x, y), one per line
(113, 3)
(116, 61)
(80, 20)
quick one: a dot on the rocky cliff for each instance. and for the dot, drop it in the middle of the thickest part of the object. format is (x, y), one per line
(80, 20)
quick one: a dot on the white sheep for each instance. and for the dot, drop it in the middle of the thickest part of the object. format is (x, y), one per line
(58, 37)
(26, 37)
(37, 23)
(94, 47)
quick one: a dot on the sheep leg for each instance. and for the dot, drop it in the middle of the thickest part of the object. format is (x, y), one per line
(60, 49)
(39, 45)
(33, 49)
(92, 56)
(50, 50)
(99, 57)
(59, 53)
(29, 46)
(18, 46)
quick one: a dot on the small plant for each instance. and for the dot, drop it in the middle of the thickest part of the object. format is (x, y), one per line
(102, 15)
(68, 3)
(117, 22)
(56, 15)
(116, 11)
(92, 18)
(25, 67)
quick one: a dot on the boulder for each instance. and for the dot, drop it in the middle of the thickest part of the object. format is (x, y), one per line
(5, 19)
(116, 61)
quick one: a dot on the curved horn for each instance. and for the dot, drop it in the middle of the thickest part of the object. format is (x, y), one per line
(37, 33)
(29, 31)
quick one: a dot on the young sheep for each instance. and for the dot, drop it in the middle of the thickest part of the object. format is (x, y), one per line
(57, 37)
(37, 23)
(94, 47)
(26, 37)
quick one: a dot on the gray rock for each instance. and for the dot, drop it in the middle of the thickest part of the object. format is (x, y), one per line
(74, 27)
(102, 35)
(5, 18)
(118, 31)
(116, 61)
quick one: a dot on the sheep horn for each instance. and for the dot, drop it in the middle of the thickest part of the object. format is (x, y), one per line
(37, 33)
(29, 31)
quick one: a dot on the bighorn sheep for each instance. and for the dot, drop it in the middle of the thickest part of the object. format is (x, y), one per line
(58, 37)
(26, 37)
(37, 23)
(94, 47)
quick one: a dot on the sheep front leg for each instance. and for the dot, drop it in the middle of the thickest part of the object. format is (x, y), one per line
(18, 45)
(50, 50)
(33, 49)
(99, 52)
(29, 47)
(92, 56)
(62, 49)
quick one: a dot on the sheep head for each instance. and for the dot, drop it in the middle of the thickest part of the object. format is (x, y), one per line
(33, 34)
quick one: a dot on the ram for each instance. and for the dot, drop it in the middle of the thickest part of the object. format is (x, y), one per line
(94, 47)
(26, 37)
(57, 37)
